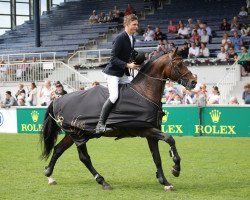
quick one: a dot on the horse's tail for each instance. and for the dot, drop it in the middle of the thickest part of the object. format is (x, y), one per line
(49, 133)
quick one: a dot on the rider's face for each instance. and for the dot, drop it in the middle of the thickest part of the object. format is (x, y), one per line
(132, 27)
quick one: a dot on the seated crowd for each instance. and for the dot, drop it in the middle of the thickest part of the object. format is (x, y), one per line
(199, 96)
(34, 96)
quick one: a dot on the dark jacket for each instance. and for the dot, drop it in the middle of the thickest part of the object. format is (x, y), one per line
(120, 55)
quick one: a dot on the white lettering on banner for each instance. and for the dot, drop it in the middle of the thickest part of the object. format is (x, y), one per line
(8, 120)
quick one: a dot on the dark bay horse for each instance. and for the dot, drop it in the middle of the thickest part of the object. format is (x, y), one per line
(149, 83)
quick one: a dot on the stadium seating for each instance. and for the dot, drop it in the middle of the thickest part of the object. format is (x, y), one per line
(63, 29)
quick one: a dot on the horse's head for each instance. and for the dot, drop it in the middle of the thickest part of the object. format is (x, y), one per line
(177, 71)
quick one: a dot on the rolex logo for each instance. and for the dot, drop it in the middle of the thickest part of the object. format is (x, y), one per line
(34, 114)
(165, 117)
(215, 115)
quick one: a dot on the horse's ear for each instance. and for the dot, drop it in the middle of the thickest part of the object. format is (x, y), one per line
(175, 52)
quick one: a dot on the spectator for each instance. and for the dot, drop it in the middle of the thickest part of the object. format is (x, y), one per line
(237, 41)
(110, 17)
(95, 83)
(190, 25)
(248, 6)
(9, 100)
(232, 55)
(195, 37)
(93, 19)
(149, 34)
(46, 93)
(226, 42)
(182, 32)
(196, 27)
(116, 11)
(209, 31)
(129, 10)
(32, 95)
(184, 50)
(102, 18)
(3, 71)
(162, 46)
(23, 68)
(171, 27)
(214, 98)
(204, 37)
(235, 24)
(59, 91)
(225, 26)
(243, 13)
(21, 102)
(193, 51)
(244, 60)
(170, 96)
(245, 30)
(222, 55)
(20, 91)
(200, 24)
(246, 94)
(158, 34)
(82, 88)
(233, 101)
(187, 96)
(201, 96)
(204, 51)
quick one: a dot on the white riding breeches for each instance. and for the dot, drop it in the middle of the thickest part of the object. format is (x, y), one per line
(113, 82)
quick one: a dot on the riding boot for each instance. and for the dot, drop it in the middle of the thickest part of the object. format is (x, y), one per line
(101, 127)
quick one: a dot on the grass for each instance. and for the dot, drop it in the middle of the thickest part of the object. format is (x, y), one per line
(212, 168)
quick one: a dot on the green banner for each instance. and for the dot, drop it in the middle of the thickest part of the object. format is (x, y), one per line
(223, 121)
(30, 120)
(180, 120)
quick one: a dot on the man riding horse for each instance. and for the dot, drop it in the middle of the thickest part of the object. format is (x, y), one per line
(117, 70)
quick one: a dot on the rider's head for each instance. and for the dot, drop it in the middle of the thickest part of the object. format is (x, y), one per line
(131, 24)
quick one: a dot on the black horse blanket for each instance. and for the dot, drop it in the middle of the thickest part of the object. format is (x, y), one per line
(81, 109)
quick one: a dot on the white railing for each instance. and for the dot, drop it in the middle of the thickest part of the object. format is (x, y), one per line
(18, 57)
(40, 71)
(228, 82)
(91, 58)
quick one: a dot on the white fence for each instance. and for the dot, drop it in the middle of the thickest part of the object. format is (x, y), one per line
(39, 71)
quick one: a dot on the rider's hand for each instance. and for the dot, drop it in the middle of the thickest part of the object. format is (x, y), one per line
(132, 65)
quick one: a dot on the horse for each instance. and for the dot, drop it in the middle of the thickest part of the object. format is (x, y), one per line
(149, 83)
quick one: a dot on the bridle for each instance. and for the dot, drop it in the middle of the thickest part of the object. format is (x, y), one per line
(174, 68)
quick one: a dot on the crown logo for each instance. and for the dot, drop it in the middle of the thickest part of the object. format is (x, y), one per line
(215, 115)
(34, 114)
(165, 117)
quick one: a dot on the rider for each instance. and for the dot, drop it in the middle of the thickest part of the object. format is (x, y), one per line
(116, 72)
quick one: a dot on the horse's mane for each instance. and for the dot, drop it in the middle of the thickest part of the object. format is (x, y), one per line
(145, 68)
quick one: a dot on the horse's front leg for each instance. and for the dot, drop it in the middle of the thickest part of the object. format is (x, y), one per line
(158, 135)
(154, 148)
(62, 146)
(85, 158)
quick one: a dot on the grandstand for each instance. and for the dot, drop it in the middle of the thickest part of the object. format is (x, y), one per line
(68, 40)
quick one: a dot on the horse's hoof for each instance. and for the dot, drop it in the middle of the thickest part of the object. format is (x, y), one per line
(107, 187)
(47, 171)
(51, 181)
(168, 188)
(175, 172)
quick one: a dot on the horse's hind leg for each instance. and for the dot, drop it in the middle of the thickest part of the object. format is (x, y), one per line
(154, 148)
(62, 146)
(85, 158)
